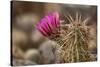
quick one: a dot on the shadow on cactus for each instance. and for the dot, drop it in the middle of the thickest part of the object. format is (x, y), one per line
(72, 38)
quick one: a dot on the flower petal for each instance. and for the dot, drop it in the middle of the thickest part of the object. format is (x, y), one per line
(56, 17)
(41, 30)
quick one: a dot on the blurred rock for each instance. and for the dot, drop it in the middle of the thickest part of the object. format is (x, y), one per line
(92, 45)
(26, 21)
(17, 52)
(92, 32)
(47, 50)
(32, 55)
(37, 38)
(18, 36)
(58, 53)
(20, 62)
(19, 39)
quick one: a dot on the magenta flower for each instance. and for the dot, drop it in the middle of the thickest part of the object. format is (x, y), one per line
(49, 24)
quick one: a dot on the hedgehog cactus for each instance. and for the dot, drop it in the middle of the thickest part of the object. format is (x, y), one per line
(75, 46)
(73, 40)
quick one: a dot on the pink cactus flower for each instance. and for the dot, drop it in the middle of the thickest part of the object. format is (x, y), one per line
(49, 24)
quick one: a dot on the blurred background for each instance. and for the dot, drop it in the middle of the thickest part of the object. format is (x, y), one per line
(28, 45)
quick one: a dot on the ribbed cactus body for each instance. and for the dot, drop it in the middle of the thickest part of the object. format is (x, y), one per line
(74, 42)
(74, 46)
